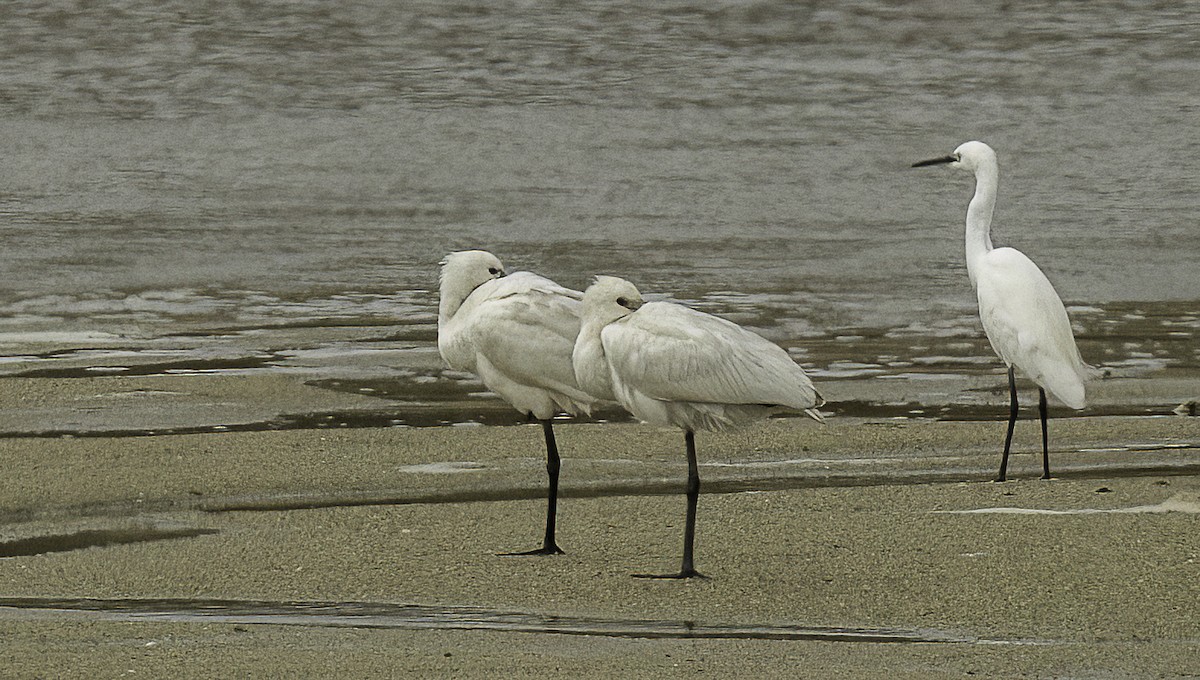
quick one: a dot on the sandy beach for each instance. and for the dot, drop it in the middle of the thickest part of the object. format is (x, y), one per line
(834, 551)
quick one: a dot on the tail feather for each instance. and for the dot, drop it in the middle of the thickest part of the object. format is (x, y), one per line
(813, 412)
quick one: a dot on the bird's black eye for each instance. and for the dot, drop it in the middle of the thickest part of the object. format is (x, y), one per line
(623, 302)
(493, 271)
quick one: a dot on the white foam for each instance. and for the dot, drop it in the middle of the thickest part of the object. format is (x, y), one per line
(804, 461)
(445, 467)
(57, 337)
(1181, 503)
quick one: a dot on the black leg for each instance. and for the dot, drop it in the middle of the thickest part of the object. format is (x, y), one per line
(1045, 437)
(1012, 421)
(553, 463)
(687, 569)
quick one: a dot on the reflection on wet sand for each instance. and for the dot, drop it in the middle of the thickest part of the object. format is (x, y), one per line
(1147, 352)
(412, 616)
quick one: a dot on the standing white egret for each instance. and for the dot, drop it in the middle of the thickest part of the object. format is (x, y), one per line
(671, 365)
(1021, 313)
(515, 332)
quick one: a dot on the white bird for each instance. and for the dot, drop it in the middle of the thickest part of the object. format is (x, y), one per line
(1023, 316)
(671, 365)
(515, 332)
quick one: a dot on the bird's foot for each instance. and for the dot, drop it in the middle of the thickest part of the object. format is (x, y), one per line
(551, 549)
(686, 573)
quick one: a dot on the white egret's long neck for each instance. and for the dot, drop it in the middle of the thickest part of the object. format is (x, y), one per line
(979, 215)
(446, 309)
(451, 296)
(592, 371)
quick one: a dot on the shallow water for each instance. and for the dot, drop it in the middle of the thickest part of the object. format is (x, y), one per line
(269, 187)
(425, 617)
(93, 538)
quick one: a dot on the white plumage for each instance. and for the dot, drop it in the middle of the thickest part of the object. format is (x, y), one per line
(1027, 324)
(671, 365)
(516, 332)
(1022, 314)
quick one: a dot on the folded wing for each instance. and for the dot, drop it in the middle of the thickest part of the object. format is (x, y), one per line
(672, 353)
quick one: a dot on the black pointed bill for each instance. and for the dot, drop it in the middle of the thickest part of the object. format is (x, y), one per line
(935, 161)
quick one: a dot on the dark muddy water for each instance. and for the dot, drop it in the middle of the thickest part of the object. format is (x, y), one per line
(215, 187)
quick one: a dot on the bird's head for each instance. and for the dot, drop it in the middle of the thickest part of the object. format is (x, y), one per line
(463, 272)
(610, 298)
(471, 267)
(970, 156)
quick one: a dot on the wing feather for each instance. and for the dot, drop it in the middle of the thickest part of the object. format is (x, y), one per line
(1027, 324)
(520, 331)
(672, 353)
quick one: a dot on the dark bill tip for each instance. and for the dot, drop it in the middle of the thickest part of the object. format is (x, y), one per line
(935, 161)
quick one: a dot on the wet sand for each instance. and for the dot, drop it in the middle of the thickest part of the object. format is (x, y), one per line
(833, 551)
